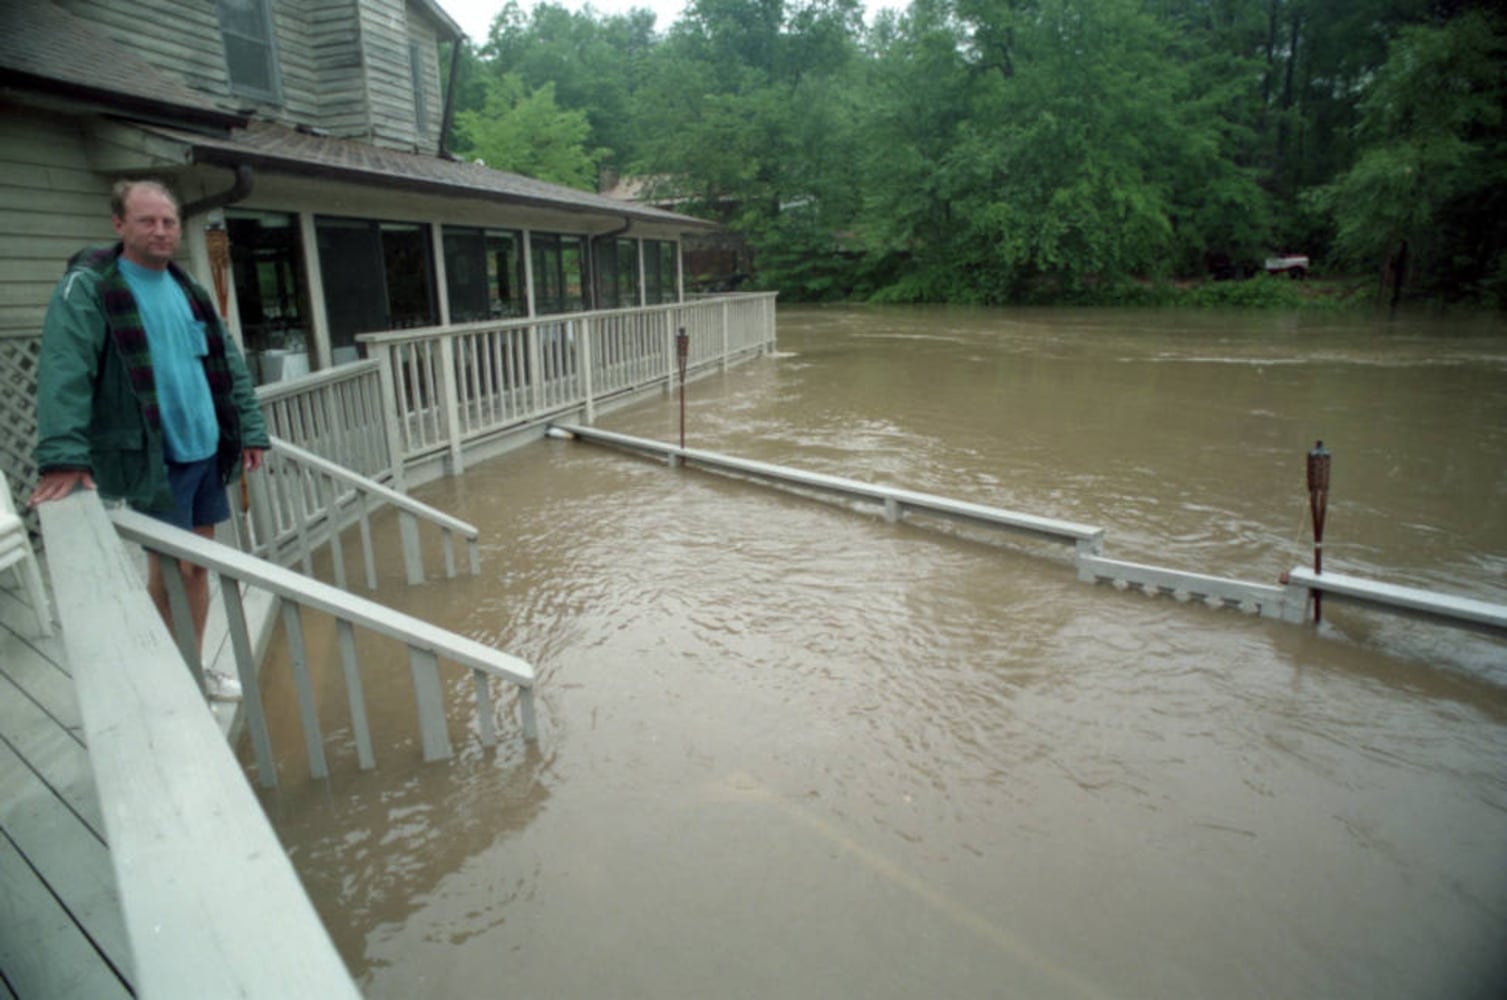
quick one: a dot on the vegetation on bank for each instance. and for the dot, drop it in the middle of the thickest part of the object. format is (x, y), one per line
(1002, 151)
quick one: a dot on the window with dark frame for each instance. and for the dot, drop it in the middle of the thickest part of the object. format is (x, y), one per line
(559, 272)
(659, 272)
(266, 261)
(376, 276)
(483, 273)
(250, 52)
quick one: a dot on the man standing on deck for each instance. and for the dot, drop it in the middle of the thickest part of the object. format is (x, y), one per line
(140, 390)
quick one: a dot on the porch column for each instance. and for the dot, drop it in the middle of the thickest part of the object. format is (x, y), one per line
(319, 321)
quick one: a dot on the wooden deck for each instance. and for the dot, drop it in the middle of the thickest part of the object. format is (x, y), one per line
(62, 932)
(62, 928)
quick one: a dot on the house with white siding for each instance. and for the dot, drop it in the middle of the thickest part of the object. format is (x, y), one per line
(304, 139)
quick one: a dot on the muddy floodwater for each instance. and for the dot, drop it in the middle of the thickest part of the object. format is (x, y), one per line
(791, 750)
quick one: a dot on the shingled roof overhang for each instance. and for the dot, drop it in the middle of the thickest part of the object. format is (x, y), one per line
(46, 50)
(278, 149)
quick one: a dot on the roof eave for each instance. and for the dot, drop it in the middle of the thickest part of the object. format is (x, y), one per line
(126, 105)
(214, 156)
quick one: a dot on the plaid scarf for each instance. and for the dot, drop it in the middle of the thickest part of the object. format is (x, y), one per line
(123, 319)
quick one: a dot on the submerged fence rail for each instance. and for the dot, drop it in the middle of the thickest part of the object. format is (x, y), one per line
(1287, 601)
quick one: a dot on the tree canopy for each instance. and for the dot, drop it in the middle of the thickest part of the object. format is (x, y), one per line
(996, 151)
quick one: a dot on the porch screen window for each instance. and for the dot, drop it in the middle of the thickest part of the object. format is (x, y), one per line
(377, 276)
(559, 272)
(626, 273)
(659, 272)
(266, 261)
(250, 56)
(483, 274)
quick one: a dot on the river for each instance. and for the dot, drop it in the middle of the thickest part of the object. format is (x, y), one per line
(791, 750)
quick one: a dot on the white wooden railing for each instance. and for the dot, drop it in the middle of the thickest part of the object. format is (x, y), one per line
(426, 645)
(212, 904)
(448, 386)
(336, 414)
(299, 500)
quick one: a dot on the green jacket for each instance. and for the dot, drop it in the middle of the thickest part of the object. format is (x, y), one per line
(96, 398)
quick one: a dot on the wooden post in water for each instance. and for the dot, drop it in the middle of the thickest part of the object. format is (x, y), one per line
(1318, 502)
(682, 354)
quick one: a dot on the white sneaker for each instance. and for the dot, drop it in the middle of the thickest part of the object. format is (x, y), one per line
(222, 686)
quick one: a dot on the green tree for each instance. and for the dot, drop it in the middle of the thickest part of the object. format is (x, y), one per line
(526, 132)
(1428, 193)
(594, 63)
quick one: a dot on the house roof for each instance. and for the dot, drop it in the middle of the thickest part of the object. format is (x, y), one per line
(444, 20)
(43, 47)
(279, 149)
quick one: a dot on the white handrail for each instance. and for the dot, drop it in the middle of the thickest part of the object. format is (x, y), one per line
(281, 497)
(211, 903)
(426, 644)
(386, 494)
(1085, 538)
(447, 389)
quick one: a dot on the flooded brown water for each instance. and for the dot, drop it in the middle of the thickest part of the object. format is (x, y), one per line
(791, 750)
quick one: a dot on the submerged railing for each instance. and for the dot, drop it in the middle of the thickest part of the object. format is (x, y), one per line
(1287, 601)
(212, 905)
(426, 645)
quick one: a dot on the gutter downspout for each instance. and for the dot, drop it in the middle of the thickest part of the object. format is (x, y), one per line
(592, 242)
(449, 113)
(245, 177)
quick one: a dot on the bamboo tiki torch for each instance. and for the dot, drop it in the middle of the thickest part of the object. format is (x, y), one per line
(682, 352)
(1318, 501)
(217, 242)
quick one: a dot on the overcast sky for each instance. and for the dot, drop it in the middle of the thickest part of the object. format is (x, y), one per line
(475, 16)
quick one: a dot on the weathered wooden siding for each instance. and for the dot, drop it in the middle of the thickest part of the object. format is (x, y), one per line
(388, 28)
(181, 39)
(296, 66)
(422, 33)
(342, 65)
(50, 205)
(335, 40)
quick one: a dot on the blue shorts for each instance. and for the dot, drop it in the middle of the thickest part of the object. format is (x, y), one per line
(198, 495)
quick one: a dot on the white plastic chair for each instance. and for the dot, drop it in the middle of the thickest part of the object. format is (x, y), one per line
(16, 555)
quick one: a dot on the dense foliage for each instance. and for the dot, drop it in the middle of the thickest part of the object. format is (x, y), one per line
(992, 151)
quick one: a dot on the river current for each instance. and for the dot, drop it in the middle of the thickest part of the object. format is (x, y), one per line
(791, 750)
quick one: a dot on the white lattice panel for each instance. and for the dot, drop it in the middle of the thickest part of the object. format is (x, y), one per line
(18, 415)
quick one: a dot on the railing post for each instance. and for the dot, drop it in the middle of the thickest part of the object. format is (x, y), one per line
(724, 334)
(450, 404)
(387, 377)
(413, 554)
(669, 354)
(429, 696)
(587, 326)
(536, 369)
(263, 511)
(251, 695)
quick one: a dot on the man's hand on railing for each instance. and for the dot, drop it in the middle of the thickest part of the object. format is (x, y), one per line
(59, 483)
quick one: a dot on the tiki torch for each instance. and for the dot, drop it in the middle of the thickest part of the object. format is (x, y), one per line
(217, 242)
(682, 352)
(1318, 501)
